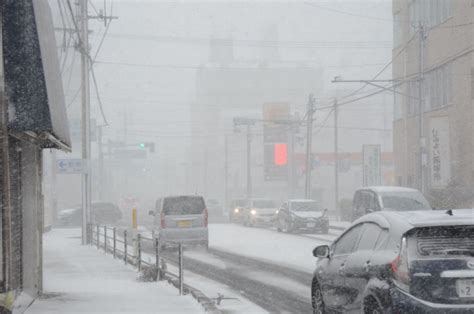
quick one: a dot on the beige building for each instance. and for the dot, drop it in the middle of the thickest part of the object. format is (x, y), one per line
(433, 44)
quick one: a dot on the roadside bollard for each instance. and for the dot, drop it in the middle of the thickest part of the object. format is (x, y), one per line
(125, 246)
(97, 237)
(157, 259)
(105, 239)
(139, 252)
(115, 241)
(181, 279)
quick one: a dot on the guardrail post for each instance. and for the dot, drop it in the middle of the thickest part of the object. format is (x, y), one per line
(114, 231)
(139, 252)
(125, 246)
(157, 259)
(97, 236)
(105, 239)
(181, 274)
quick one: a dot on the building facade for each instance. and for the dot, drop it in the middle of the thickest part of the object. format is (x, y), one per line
(433, 68)
(33, 118)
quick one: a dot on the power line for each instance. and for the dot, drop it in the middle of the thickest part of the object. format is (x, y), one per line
(349, 13)
(258, 43)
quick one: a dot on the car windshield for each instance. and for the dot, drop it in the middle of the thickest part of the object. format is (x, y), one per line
(405, 201)
(241, 203)
(264, 204)
(304, 206)
(183, 205)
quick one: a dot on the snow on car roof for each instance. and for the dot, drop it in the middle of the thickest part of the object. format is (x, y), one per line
(415, 219)
(389, 189)
(301, 201)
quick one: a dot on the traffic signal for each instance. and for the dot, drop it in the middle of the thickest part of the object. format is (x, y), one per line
(280, 154)
(149, 145)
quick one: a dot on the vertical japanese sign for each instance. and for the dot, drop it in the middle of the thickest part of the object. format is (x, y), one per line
(440, 172)
(372, 173)
(275, 140)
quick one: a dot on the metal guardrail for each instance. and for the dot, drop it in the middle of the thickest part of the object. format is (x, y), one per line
(109, 239)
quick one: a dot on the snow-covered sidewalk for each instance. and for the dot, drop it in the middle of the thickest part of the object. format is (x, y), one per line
(81, 279)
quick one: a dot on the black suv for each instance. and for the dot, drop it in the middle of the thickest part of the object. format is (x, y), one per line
(399, 262)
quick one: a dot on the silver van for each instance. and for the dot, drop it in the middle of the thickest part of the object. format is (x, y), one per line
(181, 219)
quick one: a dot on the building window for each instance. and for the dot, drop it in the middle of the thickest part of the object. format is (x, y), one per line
(438, 87)
(430, 13)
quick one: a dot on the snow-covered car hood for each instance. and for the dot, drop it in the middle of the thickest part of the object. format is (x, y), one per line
(308, 214)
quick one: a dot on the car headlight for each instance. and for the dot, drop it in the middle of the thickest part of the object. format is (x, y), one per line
(236, 210)
(253, 212)
(277, 211)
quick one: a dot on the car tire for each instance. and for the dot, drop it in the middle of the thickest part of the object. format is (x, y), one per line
(317, 301)
(279, 228)
(289, 227)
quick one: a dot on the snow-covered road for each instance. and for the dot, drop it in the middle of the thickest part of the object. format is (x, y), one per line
(289, 250)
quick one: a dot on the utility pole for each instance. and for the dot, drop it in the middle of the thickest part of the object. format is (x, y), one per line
(336, 161)
(248, 123)
(85, 121)
(54, 181)
(101, 174)
(309, 142)
(249, 165)
(5, 161)
(421, 162)
(292, 127)
(226, 172)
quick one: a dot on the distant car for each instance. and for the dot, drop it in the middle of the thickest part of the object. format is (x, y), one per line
(302, 215)
(260, 212)
(70, 217)
(398, 262)
(372, 199)
(101, 213)
(105, 213)
(237, 207)
(181, 219)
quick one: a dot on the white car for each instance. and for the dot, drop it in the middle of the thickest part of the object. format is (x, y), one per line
(260, 212)
(375, 198)
(181, 219)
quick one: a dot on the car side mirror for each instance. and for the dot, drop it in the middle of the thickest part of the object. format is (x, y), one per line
(321, 251)
(151, 213)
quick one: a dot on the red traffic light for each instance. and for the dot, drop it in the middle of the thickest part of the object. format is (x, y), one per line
(280, 154)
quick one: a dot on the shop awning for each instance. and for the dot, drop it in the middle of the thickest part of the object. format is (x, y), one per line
(32, 76)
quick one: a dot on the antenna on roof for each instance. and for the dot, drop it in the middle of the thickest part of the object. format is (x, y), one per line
(449, 212)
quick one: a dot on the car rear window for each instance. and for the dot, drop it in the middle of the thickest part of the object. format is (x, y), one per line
(404, 201)
(445, 241)
(183, 205)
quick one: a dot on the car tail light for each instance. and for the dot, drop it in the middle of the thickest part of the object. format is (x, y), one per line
(400, 267)
(206, 217)
(162, 220)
